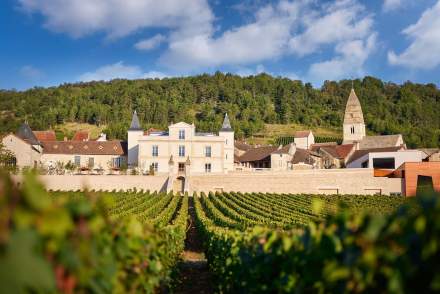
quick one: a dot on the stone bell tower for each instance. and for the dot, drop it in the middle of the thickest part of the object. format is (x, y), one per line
(354, 125)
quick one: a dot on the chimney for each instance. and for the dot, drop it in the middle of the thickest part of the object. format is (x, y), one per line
(356, 145)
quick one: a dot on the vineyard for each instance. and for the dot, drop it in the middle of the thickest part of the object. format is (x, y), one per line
(119, 242)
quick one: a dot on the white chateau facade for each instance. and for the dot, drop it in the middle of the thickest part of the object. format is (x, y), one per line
(181, 150)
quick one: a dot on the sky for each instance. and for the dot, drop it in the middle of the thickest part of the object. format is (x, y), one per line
(48, 42)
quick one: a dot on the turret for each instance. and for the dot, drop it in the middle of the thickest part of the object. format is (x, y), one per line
(228, 134)
(134, 133)
(354, 125)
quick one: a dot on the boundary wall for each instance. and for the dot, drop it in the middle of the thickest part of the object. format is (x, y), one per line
(336, 181)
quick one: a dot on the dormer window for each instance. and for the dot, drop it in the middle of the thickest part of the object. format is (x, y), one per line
(181, 134)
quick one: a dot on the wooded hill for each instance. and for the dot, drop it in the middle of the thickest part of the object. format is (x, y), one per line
(410, 109)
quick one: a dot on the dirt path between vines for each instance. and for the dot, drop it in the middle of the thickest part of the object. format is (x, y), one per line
(194, 274)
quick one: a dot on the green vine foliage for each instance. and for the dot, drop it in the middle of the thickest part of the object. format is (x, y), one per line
(345, 253)
(73, 245)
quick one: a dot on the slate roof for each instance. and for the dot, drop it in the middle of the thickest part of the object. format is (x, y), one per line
(45, 135)
(85, 147)
(258, 153)
(135, 125)
(359, 153)
(25, 133)
(226, 126)
(385, 141)
(302, 134)
(353, 110)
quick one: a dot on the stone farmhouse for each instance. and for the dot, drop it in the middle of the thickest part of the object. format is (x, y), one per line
(41, 149)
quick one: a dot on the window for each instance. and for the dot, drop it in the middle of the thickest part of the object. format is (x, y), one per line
(226, 155)
(208, 151)
(207, 167)
(365, 164)
(182, 151)
(226, 141)
(352, 130)
(181, 167)
(181, 134)
(77, 160)
(386, 163)
(117, 162)
(155, 151)
(91, 162)
(155, 166)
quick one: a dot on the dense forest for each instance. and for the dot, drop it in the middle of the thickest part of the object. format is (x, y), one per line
(411, 109)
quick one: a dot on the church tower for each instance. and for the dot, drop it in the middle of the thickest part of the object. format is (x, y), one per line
(134, 133)
(354, 125)
(228, 134)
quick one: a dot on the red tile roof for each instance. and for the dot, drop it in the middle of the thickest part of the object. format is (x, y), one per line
(45, 135)
(81, 136)
(85, 147)
(337, 151)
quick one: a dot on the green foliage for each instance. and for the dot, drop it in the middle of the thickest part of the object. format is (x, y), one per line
(348, 251)
(410, 109)
(318, 139)
(73, 243)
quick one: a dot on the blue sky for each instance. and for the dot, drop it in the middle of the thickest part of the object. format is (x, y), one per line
(48, 42)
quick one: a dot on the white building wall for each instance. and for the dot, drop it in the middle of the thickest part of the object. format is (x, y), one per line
(24, 153)
(400, 157)
(133, 137)
(194, 149)
(100, 161)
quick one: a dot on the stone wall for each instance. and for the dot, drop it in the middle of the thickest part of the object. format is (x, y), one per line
(341, 181)
(337, 181)
(102, 182)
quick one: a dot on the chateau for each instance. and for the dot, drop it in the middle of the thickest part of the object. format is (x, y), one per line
(181, 149)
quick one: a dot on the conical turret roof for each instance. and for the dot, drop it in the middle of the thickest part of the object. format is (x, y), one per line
(24, 132)
(226, 127)
(353, 110)
(135, 125)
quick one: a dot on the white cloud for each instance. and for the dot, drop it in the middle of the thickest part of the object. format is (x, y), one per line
(119, 18)
(118, 71)
(245, 72)
(424, 51)
(349, 61)
(390, 5)
(265, 38)
(31, 73)
(150, 43)
(338, 22)
(288, 27)
(276, 30)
